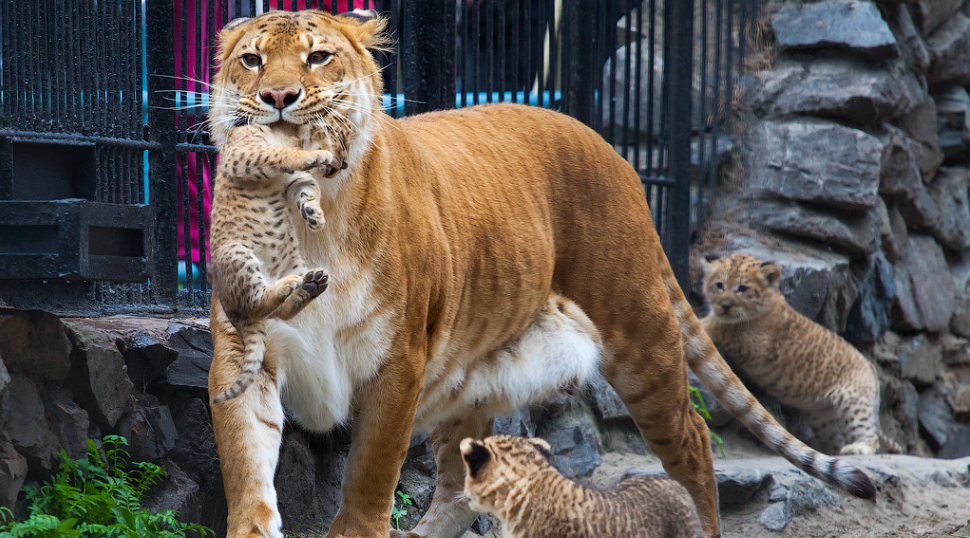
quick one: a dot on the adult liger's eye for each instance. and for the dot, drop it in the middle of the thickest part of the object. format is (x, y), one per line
(251, 60)
(318, 57)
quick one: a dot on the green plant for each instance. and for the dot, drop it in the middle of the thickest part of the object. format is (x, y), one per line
(97, 497)
(398, 512)
(697, 399)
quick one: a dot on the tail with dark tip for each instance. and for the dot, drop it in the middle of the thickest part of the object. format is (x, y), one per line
(253, 334)
(706, 362)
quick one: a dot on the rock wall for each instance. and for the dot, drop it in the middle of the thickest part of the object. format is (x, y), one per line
(64, 380)
(853, 177)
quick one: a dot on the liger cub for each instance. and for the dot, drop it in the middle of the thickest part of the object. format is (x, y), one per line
(511, 478)
(795, 360)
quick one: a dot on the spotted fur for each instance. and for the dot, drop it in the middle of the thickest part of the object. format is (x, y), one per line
(795, 360)
(511, 477)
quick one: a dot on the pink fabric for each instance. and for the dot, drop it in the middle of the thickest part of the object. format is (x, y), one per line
(192, 78)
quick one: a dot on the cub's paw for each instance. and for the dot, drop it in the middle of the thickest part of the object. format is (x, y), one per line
(318, 159)
(310, 211)
(860, 448)
(315, 282)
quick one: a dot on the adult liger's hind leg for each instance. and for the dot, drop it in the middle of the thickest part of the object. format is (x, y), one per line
(449, 515)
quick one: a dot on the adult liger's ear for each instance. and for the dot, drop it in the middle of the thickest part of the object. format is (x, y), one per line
(772, 273)
(230, 34)
(475, 454)
(366, 27)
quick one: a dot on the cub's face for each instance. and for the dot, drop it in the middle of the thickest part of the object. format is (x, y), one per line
(495, 463)
(740, 287)
(297, 68)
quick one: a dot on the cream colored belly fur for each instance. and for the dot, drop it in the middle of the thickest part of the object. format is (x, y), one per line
(321, 364)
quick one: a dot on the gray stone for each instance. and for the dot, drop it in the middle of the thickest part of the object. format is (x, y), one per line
(772, 83)
(69, 423)
(35, 343)
(845, 25)
(949, 192)
(822, 163)
(902, 183)
(920, 124)
(935, 417)
(851, 233)
(870, 315)
(100, 379)
(605, 402)
(775, 517)
(920, 360)
(911, 44)
(195, 450)
(953, 123)
(194, 347)
(819, 287)
(739, 486)
(177, 492)
(27, 427)
(933, 13)
(956, 351)
(924, 288)
(960, 323)
(150, 431)
(857, 92)
(575, 446)
(518, 422)
(949, 48)
(897, 239)
(957, 444)
(902, 401)
(147, 357)
(13, 472)
(294, 481)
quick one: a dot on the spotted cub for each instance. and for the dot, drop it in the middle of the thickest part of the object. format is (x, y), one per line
(511, 478)
(792, 358)
(257, 269)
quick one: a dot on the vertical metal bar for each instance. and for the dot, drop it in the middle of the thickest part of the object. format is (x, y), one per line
(6, 84)
(489, 50)
(678, 52)
(637, 77)
(163, 253)
(500, 75)
(515, 47)
(201, 161)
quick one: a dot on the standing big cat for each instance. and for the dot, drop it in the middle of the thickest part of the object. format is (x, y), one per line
(446, 235)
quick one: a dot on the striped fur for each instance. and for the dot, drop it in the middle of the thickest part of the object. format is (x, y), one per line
(511, 477)
(706, 362)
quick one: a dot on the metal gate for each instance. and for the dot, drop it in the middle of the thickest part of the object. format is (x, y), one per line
(93, 90)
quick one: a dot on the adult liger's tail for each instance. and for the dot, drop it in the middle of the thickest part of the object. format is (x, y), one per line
(705, 361)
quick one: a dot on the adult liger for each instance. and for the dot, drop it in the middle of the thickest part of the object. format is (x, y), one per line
(446, 236)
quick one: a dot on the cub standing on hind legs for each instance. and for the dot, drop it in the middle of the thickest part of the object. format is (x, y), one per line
(511, 477)
(446, 235)
(794, 359)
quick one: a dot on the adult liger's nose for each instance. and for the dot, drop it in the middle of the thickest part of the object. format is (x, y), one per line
(280, 98)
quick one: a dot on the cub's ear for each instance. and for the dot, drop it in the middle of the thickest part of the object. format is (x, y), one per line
(366, 27)
(542, 446)
(772, 273)
(707, 262)
(475, 454)
(229, 36)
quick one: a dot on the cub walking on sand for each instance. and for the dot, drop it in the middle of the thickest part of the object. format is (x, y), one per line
(792, 358)
(511, 477)
(257, 269)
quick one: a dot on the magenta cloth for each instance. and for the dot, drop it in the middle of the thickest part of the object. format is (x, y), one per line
(192, 78)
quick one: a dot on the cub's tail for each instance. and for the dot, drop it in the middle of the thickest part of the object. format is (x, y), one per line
(705, 361)
(253, 335)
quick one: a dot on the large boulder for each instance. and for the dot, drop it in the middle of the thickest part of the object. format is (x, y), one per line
(100, 381)
(69, 423)
(194, 346)
(858, 92)
(949, 48)
(35, 343)
(852, 26)
(949, 192)
(27, 427)
(870, 315)
(902, 182)
(920, 124)
(817, 162)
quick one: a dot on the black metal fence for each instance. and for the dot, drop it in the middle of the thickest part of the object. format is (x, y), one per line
(93, 90)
